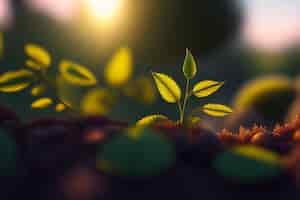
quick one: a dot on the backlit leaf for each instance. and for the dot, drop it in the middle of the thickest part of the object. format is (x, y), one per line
(206, 88)
(143, 153)
(151, 119)
(15, 81)
(189, 66)
(42, 103)
(77, 74)
(33, 65)
(167, 87)
(38, 90)
(141, 90)
(216, 110)
(60, 107)
(248, 164)
(39, 55)
(97, 101)
(119, 70)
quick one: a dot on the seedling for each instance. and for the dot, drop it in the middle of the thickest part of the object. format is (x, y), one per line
(171, 92)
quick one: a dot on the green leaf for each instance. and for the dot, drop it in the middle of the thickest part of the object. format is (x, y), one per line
(248, 164)
(119, 70)
(167, 87)
(97, 101)
(148, 154)
(60, 107)
(15, 81)
(40, 57)
(38, 90)
(42, 103)
(216, 110)
(77, 74)
(206, 88)
(189, 66)
(151, 119)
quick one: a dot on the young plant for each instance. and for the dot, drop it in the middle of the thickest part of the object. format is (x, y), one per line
(171, 92)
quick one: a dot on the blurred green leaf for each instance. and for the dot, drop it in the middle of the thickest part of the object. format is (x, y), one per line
(40, 57)
(248, 164)
(77, 74)
(151, 119)
(119, 70)
(97, 101)
(38, 90)
(42, 103)
(149, 154)
(15, 81)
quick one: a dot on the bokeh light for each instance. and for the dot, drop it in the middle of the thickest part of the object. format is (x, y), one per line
(5, 13)
(62, 10)
(105, 10)
(272, 25)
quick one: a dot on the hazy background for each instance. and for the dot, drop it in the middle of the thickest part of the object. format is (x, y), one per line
(233, 41)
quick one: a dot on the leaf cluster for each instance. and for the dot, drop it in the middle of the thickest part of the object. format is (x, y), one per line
(172, 93)
(98, 99)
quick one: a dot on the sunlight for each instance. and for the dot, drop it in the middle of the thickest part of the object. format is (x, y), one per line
(105, 9)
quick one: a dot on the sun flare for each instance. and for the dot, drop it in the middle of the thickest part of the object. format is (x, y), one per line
(105, 9)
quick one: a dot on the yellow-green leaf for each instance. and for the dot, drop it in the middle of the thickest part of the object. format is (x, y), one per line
(206, 88)
(33, 65)
(42, 103)
(189, 66)
(216, 110)
(119, 70)
(97, 101)
(141, 90)
(39, 55)
(151, 119)
(77, 74)
(167, 87)
(15, 81)
(60, 107)
(38, 90)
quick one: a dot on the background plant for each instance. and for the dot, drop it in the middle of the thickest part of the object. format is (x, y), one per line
(171, 92)
(99, 98)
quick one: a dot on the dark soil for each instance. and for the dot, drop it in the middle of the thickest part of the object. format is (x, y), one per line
(57, 160)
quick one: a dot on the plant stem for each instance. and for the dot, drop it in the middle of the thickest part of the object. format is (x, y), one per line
(180, 112)
(186, 96)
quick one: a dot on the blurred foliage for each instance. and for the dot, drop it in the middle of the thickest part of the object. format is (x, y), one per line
(96, 100)
(248, 164)
(269, 97)
(138, 152)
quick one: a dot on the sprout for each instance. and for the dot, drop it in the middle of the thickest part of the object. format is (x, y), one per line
(171, 92)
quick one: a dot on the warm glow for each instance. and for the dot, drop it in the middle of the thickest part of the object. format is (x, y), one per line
(105, 9)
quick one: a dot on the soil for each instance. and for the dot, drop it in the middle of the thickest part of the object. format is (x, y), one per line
(57, 161)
